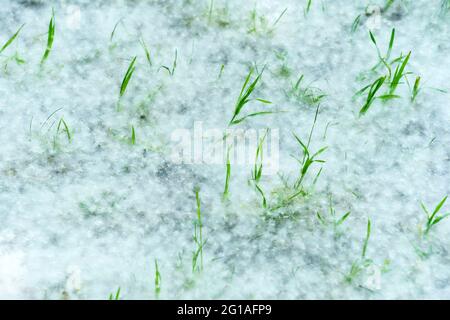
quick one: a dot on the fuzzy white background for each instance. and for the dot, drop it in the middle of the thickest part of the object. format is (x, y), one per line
(80, 220)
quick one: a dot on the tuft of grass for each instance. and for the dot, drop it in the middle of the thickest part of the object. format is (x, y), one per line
(433, 218)
(383, 60)
(335, 221)
(127, 77)
(391, 80)
(244, 99)
(307, 161)
(227, 176)
(116, 296)
(305, 164)
(198, 237)
(259, 24)
(11, 40)
(307, 94)
(398, 74)
(359, 264)
(62, 126)
(157, 280)
(218, 16)
(59, 124)
(50, 38)
(171, 71)
(371, 95)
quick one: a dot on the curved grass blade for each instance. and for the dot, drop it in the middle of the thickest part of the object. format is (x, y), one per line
(50, 38)
(399, 74)
(373, 89)
(6, 45)
(127, 77)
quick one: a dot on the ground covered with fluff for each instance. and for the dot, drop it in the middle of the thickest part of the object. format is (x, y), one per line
(91, 199)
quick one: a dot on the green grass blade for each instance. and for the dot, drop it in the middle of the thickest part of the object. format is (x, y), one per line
(157, 279)
(133, 136)
(264, 203)
(147, 52)
(343, 218)
(6, 45)
(228, 175)
(50, 38)
(416, 89)
(356, 23)
(127, 77)
(399, 73)
(62, 122)
(374, 88)
(438, 207)
(366, 240)
(391, 44)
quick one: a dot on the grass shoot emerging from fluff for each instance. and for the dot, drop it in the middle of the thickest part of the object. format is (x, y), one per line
(227, 176)
(157, 280)
(256, 173)
(398, 74)
(63, 127)
(259, 157)
(383, 59)
(115, 296)
(416, 89)
(171, 71)
(356, 23)
(146, 51)
(133, 136)
(197, 266)
(259, 24)
(244, 99)
(111, 37)
(308, 7)
(127, 77)
(433, 218)
(306, 94)
(371, 95)
(11, 40)
(391, 79)
(363, 262)
(50, 38)
(308, 159)
(335, 220)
